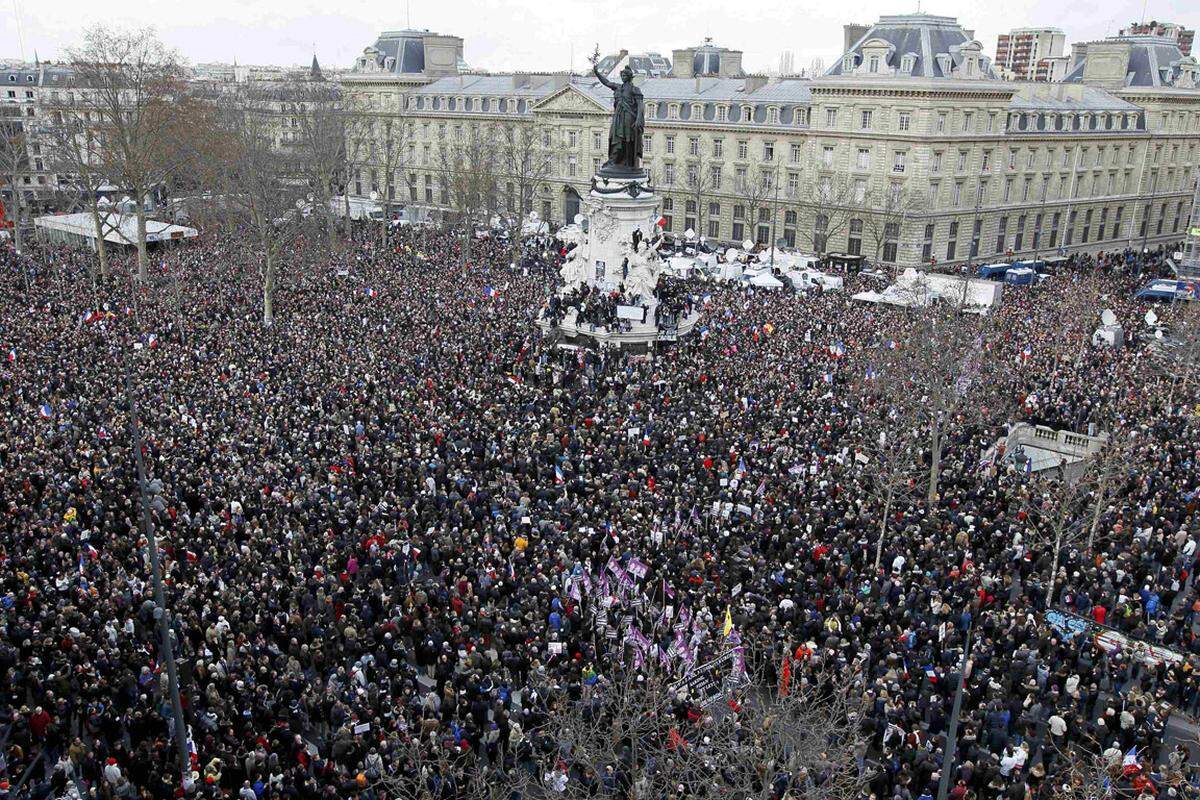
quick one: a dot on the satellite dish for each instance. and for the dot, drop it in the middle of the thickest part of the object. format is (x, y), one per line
(1108, 317)
(579, 219)
(689, 233)
(1151, 318)
(747, 245)
(1158, 333)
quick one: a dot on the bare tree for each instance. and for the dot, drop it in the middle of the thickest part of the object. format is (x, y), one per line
(756, 190)
(468, 164)
(525, 161)
(890, 446)
(320, 146)
(1177, 351)
(134, 85)
(826, 207)
(888, 208)
(943, 359)
(14, 165)
(74, 153)
(260, 186)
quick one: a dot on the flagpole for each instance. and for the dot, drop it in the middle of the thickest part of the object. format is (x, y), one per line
(166, 648)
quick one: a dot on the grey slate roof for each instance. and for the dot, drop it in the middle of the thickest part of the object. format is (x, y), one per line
(924, 35)
(1044, 97)
(787, 94)
(1149, 56)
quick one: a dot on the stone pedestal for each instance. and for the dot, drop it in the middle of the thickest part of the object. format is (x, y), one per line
(618, 208)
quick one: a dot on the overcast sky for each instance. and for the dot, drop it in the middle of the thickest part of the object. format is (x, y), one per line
(511, 34)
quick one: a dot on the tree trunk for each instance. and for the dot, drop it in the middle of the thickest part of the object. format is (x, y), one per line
(883, 524)
(1053, 571)
(935, 460)
(101, 247)
(269, 290)
(143, 257)
(17, 234)
(1101, 492)
(466, 248)
(349, 229)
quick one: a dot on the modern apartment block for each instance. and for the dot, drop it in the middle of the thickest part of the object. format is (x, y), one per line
(1167, 30)
(1031, 54)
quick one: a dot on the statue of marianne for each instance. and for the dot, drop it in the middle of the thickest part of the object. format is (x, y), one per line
(627, 125)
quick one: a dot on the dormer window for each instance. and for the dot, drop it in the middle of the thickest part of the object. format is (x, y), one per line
(773, 115)
(697, 111)
(747, 114)
(908, 64)
(873, 63)
(722, 113)
(673, 111)
(848, 63)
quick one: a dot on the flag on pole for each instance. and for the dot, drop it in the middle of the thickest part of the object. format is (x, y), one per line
(370, 291)
(558, 474)
(727, 627)
(46, 412)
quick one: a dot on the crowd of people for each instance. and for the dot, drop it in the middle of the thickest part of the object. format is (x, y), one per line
(392, 525)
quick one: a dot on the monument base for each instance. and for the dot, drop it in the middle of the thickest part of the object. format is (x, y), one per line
(616, 257)
(639, 336)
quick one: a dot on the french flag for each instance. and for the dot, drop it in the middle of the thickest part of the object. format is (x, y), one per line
(930, 673)
(1027, 352)
(661, 222)
(370, 291)
(46, 412)
(558, 474)
(152, 341)
(92, 552)
(891, 344)
(492, 292)
(102, 434)
(837, 350)
(12, 356)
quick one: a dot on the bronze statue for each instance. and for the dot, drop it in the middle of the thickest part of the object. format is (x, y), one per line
(627, 125)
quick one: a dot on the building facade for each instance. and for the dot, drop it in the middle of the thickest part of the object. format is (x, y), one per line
(910, 150)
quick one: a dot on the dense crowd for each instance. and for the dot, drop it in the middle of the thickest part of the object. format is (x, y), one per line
(374, 517)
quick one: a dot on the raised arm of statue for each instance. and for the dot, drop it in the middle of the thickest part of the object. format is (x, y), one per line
(604, 80)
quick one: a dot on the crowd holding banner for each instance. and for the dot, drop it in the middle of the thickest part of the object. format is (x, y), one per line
(401, 534)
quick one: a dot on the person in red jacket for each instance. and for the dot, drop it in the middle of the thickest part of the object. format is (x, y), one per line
(39, 723)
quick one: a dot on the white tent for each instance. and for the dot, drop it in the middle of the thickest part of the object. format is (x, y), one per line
(914, 288)
(80, 229)
(765, 280)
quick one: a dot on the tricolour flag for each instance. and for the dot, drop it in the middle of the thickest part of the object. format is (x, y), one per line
(12, 356)
(370, 291)
(558, 474)
(46, 412)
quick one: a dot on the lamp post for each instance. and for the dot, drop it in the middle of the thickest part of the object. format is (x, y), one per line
(952, 736)
(166, 648)
(1146, 211)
